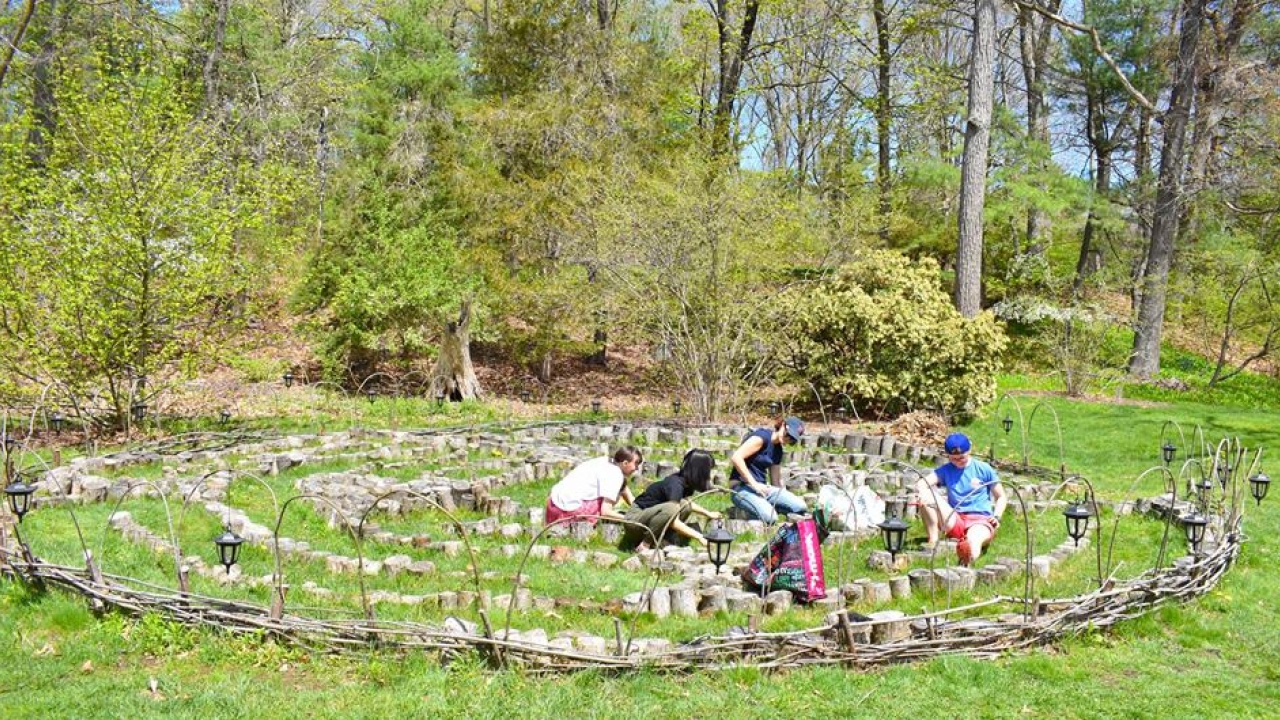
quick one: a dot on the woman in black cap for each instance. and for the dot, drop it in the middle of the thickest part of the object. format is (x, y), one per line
(760, 456)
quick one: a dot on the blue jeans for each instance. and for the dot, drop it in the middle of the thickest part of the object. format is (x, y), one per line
(767, 509)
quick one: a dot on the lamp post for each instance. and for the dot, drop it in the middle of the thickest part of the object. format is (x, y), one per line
(1224, 475)
(525, 395)
(894, 531)
(718, 542)
(595, 407)
(1168, 451)
(9, 443)
(1007, 424)
(1204, 490)
(139, 412)
(1077, 516)
(676, 405)
(440, 399)
(288, 378)
(228, 548)
(775, 408)
(19, 493)
(842, 415)
(56, 420)
(662, 353)
(1195, 525)
(224, 417)
(371, 394)
(1258, 486)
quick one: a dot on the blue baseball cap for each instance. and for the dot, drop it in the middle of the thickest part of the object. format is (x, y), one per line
(795, 428)
(956, 443)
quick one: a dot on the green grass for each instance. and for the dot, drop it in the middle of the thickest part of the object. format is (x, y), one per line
(1215, 657)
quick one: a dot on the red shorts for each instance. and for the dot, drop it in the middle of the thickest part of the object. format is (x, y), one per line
(960, 528)
(588, 512)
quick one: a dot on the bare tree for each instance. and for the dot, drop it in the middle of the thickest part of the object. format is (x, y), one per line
(977, 139)
(1145, 360)
(1034, 35)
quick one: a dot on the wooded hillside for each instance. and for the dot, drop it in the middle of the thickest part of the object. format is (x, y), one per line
(394, 179)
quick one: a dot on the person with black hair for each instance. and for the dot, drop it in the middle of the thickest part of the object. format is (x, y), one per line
(666, 502)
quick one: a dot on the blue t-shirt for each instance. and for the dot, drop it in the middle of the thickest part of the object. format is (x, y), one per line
(759, 464)
(969, 490)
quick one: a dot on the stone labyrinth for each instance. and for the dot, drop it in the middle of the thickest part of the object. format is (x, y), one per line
(418, 539)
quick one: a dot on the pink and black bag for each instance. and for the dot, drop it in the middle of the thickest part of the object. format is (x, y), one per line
(791, 560)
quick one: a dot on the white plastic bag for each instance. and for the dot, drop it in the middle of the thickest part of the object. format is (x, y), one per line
(858, 509)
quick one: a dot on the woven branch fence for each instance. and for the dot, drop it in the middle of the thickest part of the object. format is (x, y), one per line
(988, 629)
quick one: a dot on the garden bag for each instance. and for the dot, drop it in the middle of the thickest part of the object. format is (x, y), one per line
(791, 560)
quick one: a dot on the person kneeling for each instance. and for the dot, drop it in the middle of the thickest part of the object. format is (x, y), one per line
(589, 492)
(666, 503)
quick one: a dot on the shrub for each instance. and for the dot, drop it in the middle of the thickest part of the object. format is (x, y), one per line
(883, 332)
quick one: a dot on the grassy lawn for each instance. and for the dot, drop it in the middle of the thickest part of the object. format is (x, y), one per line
(1216, 657)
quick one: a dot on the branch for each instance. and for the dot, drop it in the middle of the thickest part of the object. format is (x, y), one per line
(1097, 47)
(12, 45)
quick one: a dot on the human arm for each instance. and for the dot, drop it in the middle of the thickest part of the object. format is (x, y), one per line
(753, 445)
(626, 495)
(607, 511)
(680, 527)
(999, 499)
(709, 514)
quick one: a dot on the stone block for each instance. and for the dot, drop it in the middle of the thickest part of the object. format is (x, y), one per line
(591, 644)
(745, 602)
(900, 586)
(684, 602)
(889, 626)
(778, 601)
(876, 593)
(922, 580)
(421, 567)
(712, 600)
(660, 602)
(396, 564)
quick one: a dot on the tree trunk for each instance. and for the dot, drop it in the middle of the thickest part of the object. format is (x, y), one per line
(733, 55)
(43, 102)
(1145, 360)
(884, 115)
(213, 57)
(977, 139)
(12, 43)
(1102, 144)
(454, 377)
(1141, 204)
(1034, 37)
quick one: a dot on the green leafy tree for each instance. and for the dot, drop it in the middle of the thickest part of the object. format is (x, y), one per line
(121, 250)
(388, 271)
(883, 332)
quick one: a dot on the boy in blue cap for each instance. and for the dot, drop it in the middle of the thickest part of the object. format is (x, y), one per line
(970, 509)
